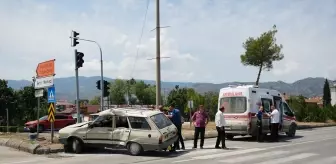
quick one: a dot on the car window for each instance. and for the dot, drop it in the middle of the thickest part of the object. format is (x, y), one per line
(60, 117)
(161, 121)
(103, 121)
(121, 122)
(43, 118)
(139, 123)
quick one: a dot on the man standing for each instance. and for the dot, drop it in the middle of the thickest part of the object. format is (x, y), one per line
(259, 123)
(275, 119)
(220, 123)
(175, 116)
(200, 120)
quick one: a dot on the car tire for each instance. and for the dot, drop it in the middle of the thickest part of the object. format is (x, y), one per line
(292, 130)
(134, 148)
(76, 145)
(229, 136)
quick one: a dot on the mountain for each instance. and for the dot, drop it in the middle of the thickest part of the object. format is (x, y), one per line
(66, 88)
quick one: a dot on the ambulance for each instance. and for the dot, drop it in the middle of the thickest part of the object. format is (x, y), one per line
(241, 104)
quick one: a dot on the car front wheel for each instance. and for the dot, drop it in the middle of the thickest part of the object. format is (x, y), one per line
(77, 146)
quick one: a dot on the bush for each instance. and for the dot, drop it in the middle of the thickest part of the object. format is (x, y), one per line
(305, 112)
(12, 129)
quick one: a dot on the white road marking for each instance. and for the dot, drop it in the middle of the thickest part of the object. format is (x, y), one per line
(331, 160)
(253, 156)
(288, 159)
(226, 154)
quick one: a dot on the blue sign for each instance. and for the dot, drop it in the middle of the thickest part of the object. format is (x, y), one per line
(51, 95)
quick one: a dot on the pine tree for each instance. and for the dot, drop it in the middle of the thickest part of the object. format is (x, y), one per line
(326, 94)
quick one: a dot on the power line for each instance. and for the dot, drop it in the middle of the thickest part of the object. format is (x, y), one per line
(143, 26)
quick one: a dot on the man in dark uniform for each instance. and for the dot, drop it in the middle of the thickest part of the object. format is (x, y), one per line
(259, 124)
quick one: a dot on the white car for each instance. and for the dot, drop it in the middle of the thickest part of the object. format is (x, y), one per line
(133, 129)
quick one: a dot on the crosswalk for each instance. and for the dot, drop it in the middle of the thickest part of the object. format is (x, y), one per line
(255, 156)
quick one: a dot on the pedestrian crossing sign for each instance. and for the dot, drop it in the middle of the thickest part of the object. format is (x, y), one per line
(51, 95)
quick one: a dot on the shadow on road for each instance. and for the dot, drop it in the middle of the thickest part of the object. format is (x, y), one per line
(282, 138)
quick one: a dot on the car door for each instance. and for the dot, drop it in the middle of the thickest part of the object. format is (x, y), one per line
(60, 121)
(267, 101)
(100, 132)
(121, 131)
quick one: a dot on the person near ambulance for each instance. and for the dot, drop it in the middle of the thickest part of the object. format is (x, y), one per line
(259, 124)
(220, 127)
(275, 120)
(200, 120)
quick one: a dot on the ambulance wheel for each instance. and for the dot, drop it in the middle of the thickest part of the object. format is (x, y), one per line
(292, 130)
(229, 136)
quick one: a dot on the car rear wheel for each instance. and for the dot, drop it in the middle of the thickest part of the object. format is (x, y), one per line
(134, 148)
(77, 145)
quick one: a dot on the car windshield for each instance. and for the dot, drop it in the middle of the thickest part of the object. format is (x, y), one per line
(161, 121)
(43, 118)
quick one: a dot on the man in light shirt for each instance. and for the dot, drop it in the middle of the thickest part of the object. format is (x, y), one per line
(220, 123)
(275, 119)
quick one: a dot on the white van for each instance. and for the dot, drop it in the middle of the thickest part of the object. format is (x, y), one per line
(136, 130)
(241, 106)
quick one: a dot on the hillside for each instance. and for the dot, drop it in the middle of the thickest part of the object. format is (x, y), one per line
(65, 87)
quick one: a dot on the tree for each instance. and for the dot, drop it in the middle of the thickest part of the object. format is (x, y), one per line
(326, 94)
(145, 93)
(211, 103)
(95, 101)
(179, 97)
(118, 90)
(261, 52)
(7, 99)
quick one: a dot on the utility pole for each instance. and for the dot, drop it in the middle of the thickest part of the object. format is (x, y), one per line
(158, 62)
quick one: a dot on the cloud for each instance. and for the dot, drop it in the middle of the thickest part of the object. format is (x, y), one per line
(203, 42)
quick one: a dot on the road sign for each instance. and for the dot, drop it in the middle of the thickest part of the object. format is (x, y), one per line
(190, 104)
(46, 68)
(44, 82)
(51, 95)
(39, 93)
(51, 112)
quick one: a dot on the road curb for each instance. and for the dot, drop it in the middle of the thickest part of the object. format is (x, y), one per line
(299, 127)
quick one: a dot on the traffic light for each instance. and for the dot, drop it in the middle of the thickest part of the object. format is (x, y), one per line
(98, 84)
(74, 38)
(106, 88)
(79, 59)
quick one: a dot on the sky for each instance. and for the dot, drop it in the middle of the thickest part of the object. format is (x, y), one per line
(203, 39)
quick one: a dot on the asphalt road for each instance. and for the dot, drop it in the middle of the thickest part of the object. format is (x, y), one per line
(308, 147)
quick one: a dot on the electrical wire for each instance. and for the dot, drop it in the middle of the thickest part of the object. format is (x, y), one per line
(143, 26)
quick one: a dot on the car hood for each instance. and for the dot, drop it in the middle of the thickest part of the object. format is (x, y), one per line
(83, 124)
(31, 122)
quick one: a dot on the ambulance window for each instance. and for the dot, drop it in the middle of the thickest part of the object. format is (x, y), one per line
(234, 104)
(287, 110)
(266, 104)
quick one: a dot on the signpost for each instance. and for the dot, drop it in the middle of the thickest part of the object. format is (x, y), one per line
(190, 106)
(51, 119)
(45, 73)
(38, 94)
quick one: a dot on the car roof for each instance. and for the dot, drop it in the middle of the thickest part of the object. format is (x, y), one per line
(137, 112)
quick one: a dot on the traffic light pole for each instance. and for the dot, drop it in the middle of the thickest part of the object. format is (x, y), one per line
(101, 73)
(77, 89)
